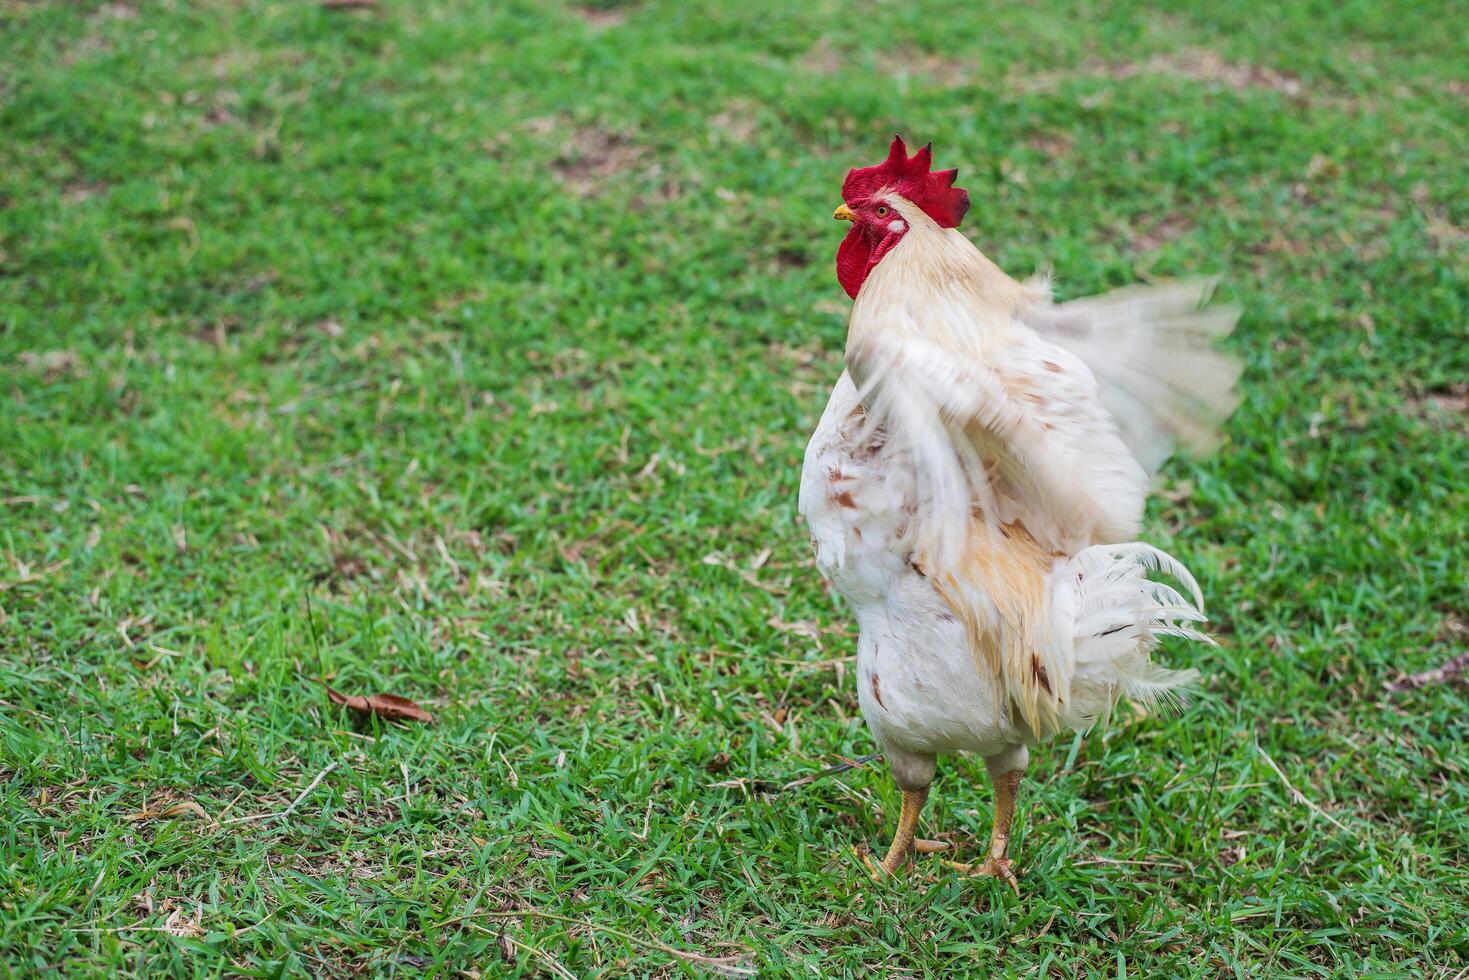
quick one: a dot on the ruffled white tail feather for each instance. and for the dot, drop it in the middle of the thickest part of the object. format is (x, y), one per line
(1107, 617)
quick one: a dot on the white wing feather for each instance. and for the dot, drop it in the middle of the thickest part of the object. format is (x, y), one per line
(1152, 350)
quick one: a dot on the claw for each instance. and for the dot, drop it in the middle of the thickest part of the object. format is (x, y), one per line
(875, 871)
(990, 868)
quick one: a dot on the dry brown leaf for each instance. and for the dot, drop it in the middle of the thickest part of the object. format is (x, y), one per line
(801, 627)
(178, 924)
(1454, 670)
(388, 706)
(173, 810)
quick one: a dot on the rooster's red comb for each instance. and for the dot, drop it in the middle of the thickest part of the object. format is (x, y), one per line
(913, 178)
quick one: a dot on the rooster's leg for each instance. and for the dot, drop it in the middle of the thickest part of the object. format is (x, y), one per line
(902, 846)
(1006, 770)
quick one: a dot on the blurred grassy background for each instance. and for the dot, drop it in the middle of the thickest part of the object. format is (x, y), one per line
(468, 352)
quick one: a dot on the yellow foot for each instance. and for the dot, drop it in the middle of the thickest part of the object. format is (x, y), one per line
(902, 847)
(991, 868)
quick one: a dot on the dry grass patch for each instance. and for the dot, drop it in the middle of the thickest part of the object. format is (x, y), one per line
(1193, 64)
(600, 18)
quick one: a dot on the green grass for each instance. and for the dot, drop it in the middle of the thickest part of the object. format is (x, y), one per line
(468, 352)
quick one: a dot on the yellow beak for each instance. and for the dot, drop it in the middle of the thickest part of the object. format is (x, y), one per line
(844, 213)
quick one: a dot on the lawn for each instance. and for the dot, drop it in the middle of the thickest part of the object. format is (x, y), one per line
(467, 352)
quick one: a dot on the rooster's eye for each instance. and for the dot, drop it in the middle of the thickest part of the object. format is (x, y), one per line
(882, 212)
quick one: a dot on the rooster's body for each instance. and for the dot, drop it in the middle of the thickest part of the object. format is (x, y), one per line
(978, 478)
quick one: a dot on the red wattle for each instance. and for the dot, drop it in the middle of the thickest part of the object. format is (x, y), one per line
(856, 258)
(853, 261)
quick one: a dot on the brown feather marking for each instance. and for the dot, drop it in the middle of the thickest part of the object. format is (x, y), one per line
(1007, 638)
(844, 499)
(877, 692)
(1039, 673)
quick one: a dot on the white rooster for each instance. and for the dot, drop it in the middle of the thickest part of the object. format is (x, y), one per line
(976, 483)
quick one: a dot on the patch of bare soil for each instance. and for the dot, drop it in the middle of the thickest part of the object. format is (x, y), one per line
(1164, 229)
(908, 62)
(594, 161)
(593, 158)
(54, 364)
(600, 18)
(736, 121)
(1052, 144)
(1448, 405)
(1203, 65)
(79, 190)
(823, 58)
